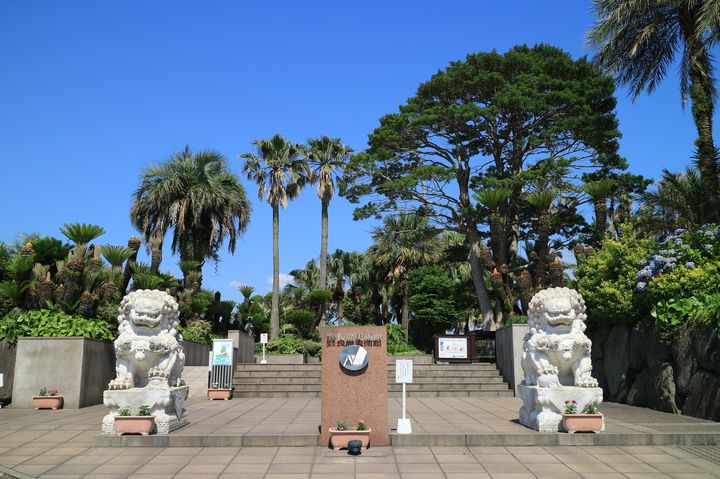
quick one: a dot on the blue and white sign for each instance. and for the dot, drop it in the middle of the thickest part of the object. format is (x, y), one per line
(354, 358)
(222, 352)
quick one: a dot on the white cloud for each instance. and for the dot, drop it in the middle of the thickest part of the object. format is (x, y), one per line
(235, 284)
(285, 279)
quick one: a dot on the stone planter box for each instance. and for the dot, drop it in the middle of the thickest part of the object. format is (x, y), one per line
(582, 422)
(47, 402)
(134, 425)
(81, 367)
(340, 439)
(225, 394)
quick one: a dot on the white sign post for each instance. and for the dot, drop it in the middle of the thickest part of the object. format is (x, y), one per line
(263, 341)
(404, 375)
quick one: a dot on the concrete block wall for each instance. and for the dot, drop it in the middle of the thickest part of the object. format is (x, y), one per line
(509, 344)
(7, 369)
(80, 368)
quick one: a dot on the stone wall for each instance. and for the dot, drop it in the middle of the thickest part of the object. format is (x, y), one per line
(196, 354)
(7, 369)
(636, 368)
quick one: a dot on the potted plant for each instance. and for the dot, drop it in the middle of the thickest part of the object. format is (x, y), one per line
(340, 435)
(216, 392)
(143, 423)
(589, 420)
(48, 399)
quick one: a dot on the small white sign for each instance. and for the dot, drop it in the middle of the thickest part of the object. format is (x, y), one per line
(453, 348)
(2, 380)
(404, 371)
(263, 338)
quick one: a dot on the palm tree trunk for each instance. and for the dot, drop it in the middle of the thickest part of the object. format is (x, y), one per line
(275, 311)
(340, 311)
(323, 244)
(476, 272)
(156, 258)
(134, 244)
(600, 219)
(406, 307)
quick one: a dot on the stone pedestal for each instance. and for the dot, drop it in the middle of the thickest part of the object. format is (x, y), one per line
(167, 404)
(543, 407)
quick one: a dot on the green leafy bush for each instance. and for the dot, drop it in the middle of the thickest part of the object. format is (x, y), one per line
(197, 330)
(302, 319)
(396, 341)
(50, 323)
(606, 280)
(292, 344)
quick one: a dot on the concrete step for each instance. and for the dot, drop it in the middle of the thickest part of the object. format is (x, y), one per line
(393, 394)
(416, 380)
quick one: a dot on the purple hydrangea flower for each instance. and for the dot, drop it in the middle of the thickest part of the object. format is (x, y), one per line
(641, 286)
(690, 265)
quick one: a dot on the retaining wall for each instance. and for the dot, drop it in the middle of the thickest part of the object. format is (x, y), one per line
(508, 348)
(7, 369)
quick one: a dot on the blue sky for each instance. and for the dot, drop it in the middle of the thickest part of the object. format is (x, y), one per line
(92, 92)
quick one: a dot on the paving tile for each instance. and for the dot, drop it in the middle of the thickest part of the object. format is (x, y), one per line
(332, 468)
(72, 469)
(418, 468)
(202, 469)
(377, 475)
(160, 469)
(241, 475)
(33, 470)
(289, 469)
(591, 467)
(415, 459)
(246, 469)
(630, 468)
(511, 475)
(502, 467)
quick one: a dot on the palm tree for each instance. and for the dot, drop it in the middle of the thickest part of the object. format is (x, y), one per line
(600, 191)
(541, 202)
(403, 243)
(637, 41)
(196, 196)
(343, 266)
(327, 158)
(280, 173)
(677, 202)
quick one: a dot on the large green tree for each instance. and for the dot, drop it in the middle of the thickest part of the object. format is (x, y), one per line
(530, 119)
(280, 173)
(197, 197)
(638, 41)
(327, 158)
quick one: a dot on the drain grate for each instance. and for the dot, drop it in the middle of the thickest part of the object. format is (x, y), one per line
(709, 453)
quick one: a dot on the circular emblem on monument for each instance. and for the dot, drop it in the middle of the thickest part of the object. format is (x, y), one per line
(353, 358)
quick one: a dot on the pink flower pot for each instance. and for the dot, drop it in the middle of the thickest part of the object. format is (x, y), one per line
(134, 425)
(582, 422)
(47, 402)
(220, 394)
(340, 439)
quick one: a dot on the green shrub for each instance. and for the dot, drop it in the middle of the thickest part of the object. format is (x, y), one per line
(292, 344)
(396, 341)
(302, 319)
(50, 323)
(197, 330)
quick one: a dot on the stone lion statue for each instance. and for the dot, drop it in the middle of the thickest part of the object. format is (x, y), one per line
(556, 351)
(148, 346)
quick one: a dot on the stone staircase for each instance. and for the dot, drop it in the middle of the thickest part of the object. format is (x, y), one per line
(430, 380)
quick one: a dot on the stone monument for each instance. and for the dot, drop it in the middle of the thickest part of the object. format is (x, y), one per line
(149, 362)
(556, 360)
(355, 380)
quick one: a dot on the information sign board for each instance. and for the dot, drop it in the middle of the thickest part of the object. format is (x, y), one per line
(404, 371)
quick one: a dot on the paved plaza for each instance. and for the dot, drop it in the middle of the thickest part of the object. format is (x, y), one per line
(63, 444)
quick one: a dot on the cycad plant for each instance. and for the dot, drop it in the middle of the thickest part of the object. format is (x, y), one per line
(280, 173)
(116, 255)
(82, 233)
